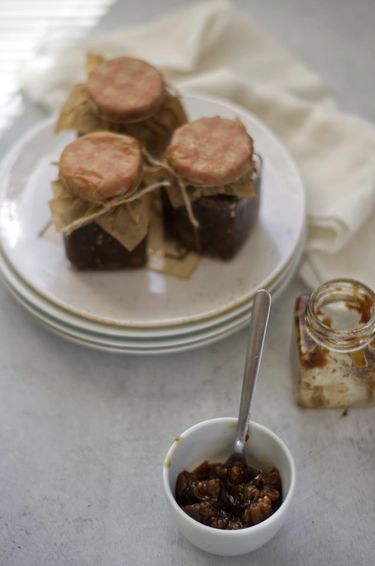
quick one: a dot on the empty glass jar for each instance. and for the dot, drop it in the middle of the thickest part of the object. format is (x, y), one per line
(334, 345)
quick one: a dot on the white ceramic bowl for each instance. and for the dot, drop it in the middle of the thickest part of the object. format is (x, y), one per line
(213, 440)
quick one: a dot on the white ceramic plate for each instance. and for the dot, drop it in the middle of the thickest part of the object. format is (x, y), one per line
(143, 299)
(124, 344)
(137, 337)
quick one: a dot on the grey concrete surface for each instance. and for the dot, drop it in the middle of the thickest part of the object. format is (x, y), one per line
(83, 433)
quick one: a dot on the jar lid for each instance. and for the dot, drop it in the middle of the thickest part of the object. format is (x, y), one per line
(101, 165)
(125, 89)
(210, 151)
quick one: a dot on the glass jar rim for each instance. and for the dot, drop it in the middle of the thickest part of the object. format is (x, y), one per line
(338, 339)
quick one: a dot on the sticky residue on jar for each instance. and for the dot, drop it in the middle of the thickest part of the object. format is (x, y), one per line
(335, 346)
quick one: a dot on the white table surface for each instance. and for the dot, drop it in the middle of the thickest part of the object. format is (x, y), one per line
(83, 433)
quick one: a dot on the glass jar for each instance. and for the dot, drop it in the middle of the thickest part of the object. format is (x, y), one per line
(335, 345)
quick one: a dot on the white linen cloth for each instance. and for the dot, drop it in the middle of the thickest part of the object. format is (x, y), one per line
(212, 48)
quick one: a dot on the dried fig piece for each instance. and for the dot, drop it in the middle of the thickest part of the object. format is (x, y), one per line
(257, 511)
(212, 515)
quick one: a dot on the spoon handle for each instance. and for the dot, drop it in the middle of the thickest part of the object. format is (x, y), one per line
(258, 326)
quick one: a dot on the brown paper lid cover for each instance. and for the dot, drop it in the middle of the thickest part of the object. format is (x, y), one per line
(125, 89)
(101, 165)
(210, 151)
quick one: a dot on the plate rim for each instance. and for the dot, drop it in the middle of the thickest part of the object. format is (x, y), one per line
(169, 348)
(17, 286)
(229, 326)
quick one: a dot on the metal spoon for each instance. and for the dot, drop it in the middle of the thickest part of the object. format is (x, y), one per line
(257, 333)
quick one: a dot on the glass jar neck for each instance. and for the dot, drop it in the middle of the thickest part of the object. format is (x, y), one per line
(340, 315)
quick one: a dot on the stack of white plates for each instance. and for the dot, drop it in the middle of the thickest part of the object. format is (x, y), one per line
(142, 311)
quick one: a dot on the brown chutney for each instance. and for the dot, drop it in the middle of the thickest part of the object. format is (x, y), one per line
(229, 495)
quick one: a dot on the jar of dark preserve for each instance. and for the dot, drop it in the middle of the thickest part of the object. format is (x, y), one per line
(334, 345)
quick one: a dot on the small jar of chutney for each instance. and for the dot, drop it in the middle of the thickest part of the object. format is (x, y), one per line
(334, 345)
